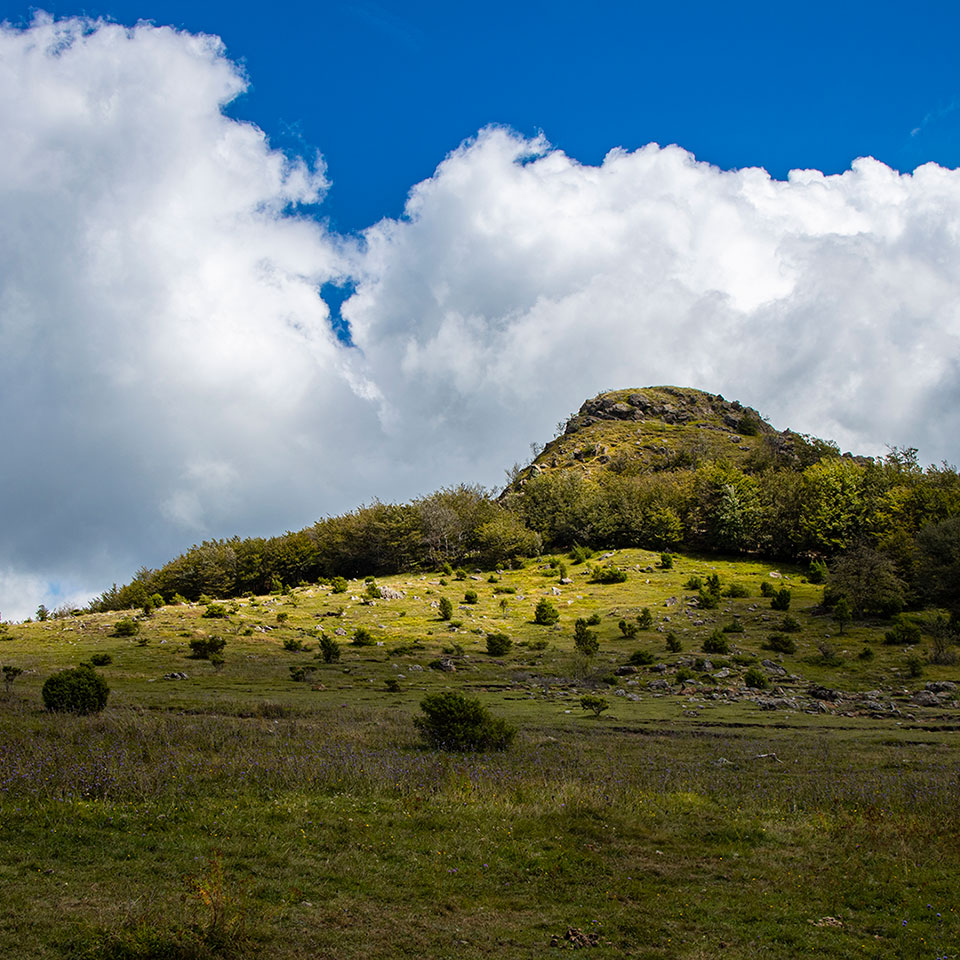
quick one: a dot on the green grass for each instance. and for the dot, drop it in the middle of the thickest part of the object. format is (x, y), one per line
(239, 813)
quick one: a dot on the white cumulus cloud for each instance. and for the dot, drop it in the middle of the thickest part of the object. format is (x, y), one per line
(167, 366)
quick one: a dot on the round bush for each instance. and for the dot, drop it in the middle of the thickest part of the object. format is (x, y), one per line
(452, 721)
(80, 690)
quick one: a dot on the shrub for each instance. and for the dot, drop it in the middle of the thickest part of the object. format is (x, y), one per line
(666, 561)
(842, 613)
(865, 654)
(504, 589)
(392, 685)
(446, 608)
(594, 703)
(579, 554)
(470, 596)
(10, 674)
(338, 585)
(903, 634)
(817, 572)
(716, 643)
(608, 575)
(583, 639)
(537, 644)
(736, 590)
(127, 627)
(780, 600)
(80, 690)
(914, 666)
(295, 645)
(693, 583)
(712, 584)
(101, 659)
(283, 616)
(498, 644)
(629, 630)
(707, 600)
(372, 591)
(684, 674)
(460, 574)
(328, 649)
(828, 656)
(673, 643)
(645, 619)
(756, 678)
(216, 611)
(790, 625)
(779, 643)
(301, 674)
(452, 721)
(766, 589)
(493, 578)
(594, 620)
(641, 658)
(362, 637)
(546, 613)
(734, 626)
(201, 648)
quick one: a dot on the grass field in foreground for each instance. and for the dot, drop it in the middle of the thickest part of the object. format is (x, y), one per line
(240, 813)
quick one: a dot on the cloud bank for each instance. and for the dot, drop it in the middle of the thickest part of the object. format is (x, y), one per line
(168, 370)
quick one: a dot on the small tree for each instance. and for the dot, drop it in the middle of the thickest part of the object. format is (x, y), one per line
(629, 630)
(362, 637)
(338, 585)
(329, 649)
(498, 644)
(470, 596)
(716, 643)
(10, 674)
(841, 613)
(80, 690)
(666, 561)
(585, 640)
(446, 608)
(202, 648)
(126, 627)
(594, 703)
(42, 612)
(780, 600)
(645, 619)
(756, 679)
(673, 643)
(452, 721)
(545, 613)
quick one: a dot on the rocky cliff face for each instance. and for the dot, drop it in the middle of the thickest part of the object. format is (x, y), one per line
(670, 405)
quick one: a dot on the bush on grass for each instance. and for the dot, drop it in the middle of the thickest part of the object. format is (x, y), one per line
(80, 690)
(452, 721)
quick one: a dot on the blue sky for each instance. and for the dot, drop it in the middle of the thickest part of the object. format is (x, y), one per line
(384, 90)
(204, 332)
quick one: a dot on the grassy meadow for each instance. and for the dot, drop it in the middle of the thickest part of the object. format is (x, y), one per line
(279, 806)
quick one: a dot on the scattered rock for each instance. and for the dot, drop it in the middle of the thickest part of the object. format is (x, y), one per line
(926, 698)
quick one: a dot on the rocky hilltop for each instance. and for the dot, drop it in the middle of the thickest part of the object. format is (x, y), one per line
(651, 429)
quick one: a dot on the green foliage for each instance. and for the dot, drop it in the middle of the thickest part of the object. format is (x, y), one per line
(445, 611)
(452, 721)
(869, 581)
(372, 591)
(645, 619)
(460, 574)
(736, 590)
(693, 583)
(780, 643)
(756, 679)
(767, 589)
(498, 644)
(392, 685)
(470, 597)
(42, 613)
(545, 613)
(338, 585)
(666, 561)
(641, 658)
(914, 666)
(101, 659)
(904, 633)
(673, 643)
(584, 639)
(841, 613)
(707, 600)
(216, 611)
(580, 554)
(781, 599)
(594, 620)
(733, 626)
(790, 624)
(594, 704)
(716, 643)
(818, 572)
(282, 617)
(10, 674)
(295, 645)
(684, 674)
(608, 574)
(629, 630)
(126, 627)
(328, 648)
(866, 654)
(362, 637)
(203, 648)
(80, 690)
